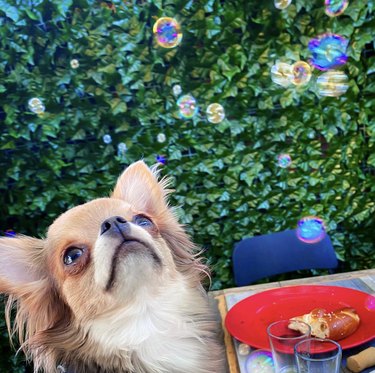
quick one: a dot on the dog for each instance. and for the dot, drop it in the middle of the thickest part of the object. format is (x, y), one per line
(115, 287)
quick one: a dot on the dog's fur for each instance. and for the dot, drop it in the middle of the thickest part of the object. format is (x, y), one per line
(114, 287)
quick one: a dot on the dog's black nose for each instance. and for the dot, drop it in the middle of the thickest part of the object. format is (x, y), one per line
(113, 223)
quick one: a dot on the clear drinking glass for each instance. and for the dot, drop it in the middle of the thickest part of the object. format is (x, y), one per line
(282, 340)
(315, 355)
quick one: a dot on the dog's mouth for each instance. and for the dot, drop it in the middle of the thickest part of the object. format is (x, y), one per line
(129, 247)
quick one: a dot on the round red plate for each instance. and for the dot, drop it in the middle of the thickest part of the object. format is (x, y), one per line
(247, 320)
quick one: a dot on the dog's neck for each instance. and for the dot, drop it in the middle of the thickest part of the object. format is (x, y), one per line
(170, 324)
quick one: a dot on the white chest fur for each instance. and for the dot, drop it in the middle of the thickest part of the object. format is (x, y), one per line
(166, 332)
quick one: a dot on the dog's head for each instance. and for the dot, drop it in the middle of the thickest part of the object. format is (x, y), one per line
(97, 258)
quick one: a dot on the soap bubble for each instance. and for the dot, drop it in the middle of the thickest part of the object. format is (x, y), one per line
(282, 4)
(370, 303)
(215, 113)
(121, 149)
(10, 233)
(328, 51)
(334, 8)
(161, 159)
(177, 90)
(187, 106)
(284, 160)
(311, 229)
(167, 32)
(74, 64)
(282, 74)
(301, 73)
(260, 361)
(36, 105)
(107, 139)
(243, 349)
(332, 83)
(161, 137)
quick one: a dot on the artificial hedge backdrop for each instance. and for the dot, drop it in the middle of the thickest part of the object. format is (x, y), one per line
(227, 181)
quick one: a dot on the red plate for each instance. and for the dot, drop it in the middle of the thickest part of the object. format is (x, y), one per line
(247, 320)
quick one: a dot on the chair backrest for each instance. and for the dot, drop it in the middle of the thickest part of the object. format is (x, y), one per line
(276, 253)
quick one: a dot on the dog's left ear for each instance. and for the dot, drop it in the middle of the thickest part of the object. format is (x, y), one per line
(139, 186)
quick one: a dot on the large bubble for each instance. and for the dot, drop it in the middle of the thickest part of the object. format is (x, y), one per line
(328, 51)
(311, 229)
(167, 32)
(332, 83)
(282, 74)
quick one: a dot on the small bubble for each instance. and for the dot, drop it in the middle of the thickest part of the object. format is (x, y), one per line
(177, 90)
(74, 64)
(301, 73)
(107, 139)
(282, 4)
(260, 361)
(284, 160)
(161, 137)
(187, 105)
(334, 8)
(36, 105)
(215, 113)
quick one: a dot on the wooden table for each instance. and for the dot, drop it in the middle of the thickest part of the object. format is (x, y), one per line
(360, 280)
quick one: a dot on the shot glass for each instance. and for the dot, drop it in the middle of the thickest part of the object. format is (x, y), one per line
(315, 355)
(282, 340)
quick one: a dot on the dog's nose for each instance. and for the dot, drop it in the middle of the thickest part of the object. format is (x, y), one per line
(115, 223)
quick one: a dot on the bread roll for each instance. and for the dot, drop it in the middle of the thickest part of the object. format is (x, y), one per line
(334, 325)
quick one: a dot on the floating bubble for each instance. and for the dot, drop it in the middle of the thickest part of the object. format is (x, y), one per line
(282, 74)
(36, 105)
(167, 32)
(260, 361)
(282, 4)
(332, 83)
(10, 233)
(334, 8)
(311, 229)
(161, 159)
(177, 90)
(284, 160)
(121, 149)
(243, 349)
(370, 303)
(161, 137)
(187, 106)
(74, 64)
(107, 139)
(301, 73)
(215, 113)
(328, 51)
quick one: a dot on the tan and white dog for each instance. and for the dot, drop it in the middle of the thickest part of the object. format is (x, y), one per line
(114, 287)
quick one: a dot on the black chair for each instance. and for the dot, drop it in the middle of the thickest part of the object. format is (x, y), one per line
(272, 254)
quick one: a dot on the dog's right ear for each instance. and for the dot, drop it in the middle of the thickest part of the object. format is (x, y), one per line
(21, 264)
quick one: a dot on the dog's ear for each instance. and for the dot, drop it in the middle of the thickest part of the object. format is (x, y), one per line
(139, 186)
(21, 264)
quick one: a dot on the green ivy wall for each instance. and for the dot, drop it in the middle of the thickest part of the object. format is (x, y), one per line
(227, 181)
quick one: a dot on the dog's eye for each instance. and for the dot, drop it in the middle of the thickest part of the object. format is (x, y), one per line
(72, 254)
(142, 221)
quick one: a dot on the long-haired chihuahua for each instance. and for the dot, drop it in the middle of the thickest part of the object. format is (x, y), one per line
(114, 287)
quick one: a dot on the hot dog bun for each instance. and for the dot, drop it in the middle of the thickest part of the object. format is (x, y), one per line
(334, 325)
